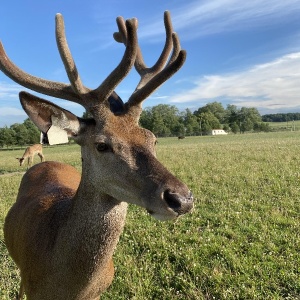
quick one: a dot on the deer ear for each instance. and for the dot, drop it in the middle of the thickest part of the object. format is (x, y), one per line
(44, 113)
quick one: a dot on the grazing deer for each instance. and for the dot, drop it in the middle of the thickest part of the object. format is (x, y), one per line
(30, 152)
(64, 227)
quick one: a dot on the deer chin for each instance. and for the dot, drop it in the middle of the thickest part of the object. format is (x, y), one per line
(163, 217)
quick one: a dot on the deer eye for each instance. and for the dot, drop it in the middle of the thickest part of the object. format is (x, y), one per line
(101, 146)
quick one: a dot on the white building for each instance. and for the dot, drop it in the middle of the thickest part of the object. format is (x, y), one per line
(218, 132)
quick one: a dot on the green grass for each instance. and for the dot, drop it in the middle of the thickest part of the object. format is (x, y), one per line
(241, 241)
(289, 126)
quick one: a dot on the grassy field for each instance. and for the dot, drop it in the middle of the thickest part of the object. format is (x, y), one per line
(282, 126)
(242, 240)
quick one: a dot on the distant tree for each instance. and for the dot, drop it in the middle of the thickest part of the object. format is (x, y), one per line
(7, 137)
(281, 117)
(235, 127)
(250, 113)
(208, 121)
(206, 128)
(247, 117)
(231, 115)
(244, 118)
(33, 132)
(162, 120)
(169, 114)
(216, 108)
(21, 134)
(189, 123)
(262, 127)
(159, 128)
(265, 127)
(146, 118)
(246, 125)
(181, 130)
(226, 127)
(2, 137)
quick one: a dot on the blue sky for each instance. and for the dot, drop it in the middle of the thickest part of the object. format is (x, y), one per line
(245, 53)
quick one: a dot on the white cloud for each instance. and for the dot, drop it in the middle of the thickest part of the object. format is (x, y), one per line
(198, 18)
(10, 108)
(271, 85)
(11, 115)
(11, 111)
(8, 90)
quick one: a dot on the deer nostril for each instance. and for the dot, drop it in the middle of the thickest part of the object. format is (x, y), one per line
(178, 203)
(172, 199)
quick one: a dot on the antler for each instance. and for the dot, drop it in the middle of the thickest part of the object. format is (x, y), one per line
(75, 91)
(162, 70)
(151, 78)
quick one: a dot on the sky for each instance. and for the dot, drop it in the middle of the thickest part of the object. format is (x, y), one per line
(244, 53)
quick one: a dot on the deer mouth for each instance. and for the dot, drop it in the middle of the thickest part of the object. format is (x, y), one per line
(163, 217)
(175, 206)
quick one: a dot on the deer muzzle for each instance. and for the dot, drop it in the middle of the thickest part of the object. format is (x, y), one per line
(174, 205)
(178, 203)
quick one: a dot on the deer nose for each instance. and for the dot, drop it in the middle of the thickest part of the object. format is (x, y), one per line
(179, 203)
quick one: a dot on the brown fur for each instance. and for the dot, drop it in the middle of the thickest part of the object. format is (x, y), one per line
(35, 221)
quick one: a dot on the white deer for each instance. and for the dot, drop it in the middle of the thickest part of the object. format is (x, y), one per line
(64, 227)
(30, 152)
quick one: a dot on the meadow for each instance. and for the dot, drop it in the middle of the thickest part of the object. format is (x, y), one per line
(282, 126)
(242, 241)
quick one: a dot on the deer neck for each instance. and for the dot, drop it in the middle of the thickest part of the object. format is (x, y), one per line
(97, 220)
(103, 211)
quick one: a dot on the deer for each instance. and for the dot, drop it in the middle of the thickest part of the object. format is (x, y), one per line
(64, 227)
(29, 153)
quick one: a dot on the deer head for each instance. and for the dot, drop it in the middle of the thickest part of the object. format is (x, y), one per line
(21, 160)
(118, 155)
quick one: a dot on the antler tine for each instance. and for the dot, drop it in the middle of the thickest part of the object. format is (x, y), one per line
(121, 36)
(67, 57)
(105, 90)
(47, 87)
(139, 64)
(176, 49)
(141, 94)
(162, 70)
(159, 65)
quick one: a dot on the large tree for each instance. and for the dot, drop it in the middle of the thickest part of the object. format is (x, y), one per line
(216, 108)
(189, 122)
(7, 136)
(21, 134)
(245, 118)
(162, 120)
(208, 121)
(33, 132)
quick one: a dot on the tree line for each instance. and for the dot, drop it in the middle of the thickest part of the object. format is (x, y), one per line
(280, 117)
(19, 134)
(166, 120)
